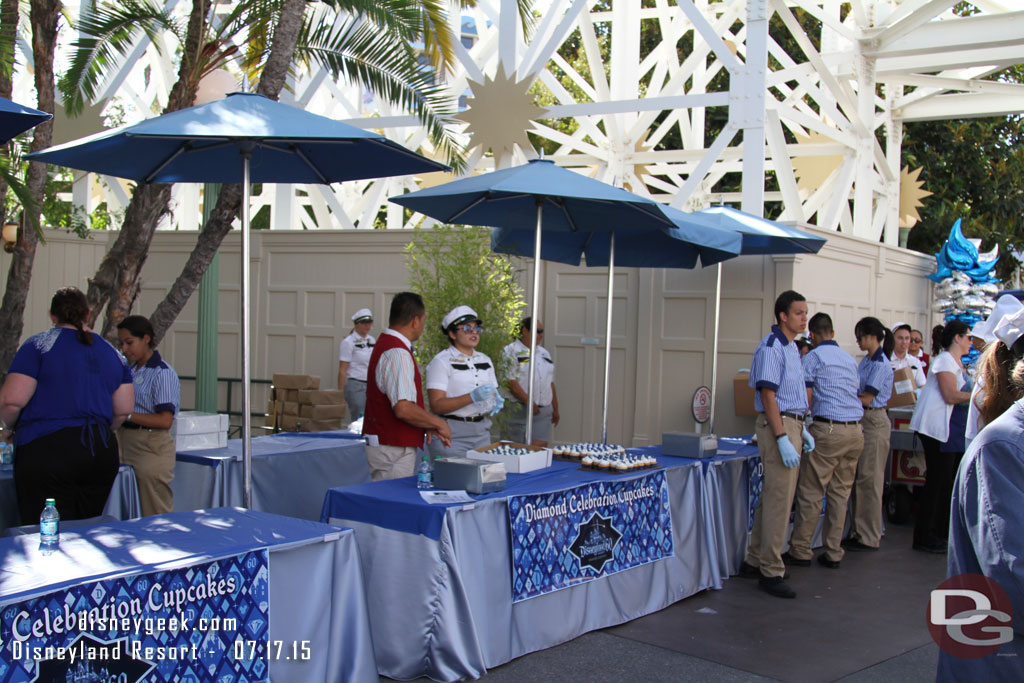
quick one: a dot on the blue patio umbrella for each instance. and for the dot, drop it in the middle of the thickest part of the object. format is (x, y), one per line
(16, 118)
(573, 210)
(760, 236)
(243, 138)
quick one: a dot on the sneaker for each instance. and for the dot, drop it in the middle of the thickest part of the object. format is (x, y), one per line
(795, 561)
(825, 562)
(776, 586)
(857, 546)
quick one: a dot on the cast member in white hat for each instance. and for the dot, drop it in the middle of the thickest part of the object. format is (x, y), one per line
(353, 361)
(993, 364)
(462, 385)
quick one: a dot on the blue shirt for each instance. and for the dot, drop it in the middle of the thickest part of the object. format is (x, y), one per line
(157, 389)
(985, 538)
(75, 383)
(876, 378)
(777, 366)
(831, 374)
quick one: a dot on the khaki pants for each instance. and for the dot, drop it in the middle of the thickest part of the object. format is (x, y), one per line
(831, 466)
(771, 518)
(151, 454)
(391, 462)
(867, 491)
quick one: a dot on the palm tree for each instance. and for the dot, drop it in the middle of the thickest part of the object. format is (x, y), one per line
(364, 41)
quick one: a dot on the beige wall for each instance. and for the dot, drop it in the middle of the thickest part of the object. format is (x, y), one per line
(306, 284)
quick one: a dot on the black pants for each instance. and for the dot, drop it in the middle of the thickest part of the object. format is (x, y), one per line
(932, 525)
(76, 466)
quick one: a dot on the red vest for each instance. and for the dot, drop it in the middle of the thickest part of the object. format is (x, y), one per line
(379, 417)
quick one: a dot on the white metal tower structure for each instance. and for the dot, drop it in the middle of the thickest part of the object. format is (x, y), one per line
(808, 96)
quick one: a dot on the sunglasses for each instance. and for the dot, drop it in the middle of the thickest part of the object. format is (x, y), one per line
(916, 341)
(471, 329)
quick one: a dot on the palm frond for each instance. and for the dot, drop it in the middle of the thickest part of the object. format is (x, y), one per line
(362, 54)
(110, 30)
(11, 170)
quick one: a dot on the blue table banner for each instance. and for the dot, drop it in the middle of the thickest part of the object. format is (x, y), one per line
(755, 485)
(562, 538)
(204, 622)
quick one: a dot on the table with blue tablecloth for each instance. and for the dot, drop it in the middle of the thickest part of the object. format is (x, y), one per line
(315, 579)
(438, 578)
(122, 503)
(291, 472)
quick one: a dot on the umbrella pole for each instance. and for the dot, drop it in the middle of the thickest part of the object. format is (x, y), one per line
(608, 337)
(533, 321)
(714, 348)
(246, 369)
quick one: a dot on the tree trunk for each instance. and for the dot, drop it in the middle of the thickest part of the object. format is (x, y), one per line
(116, 282)
(8, 32)
(43, 17)
(271, 83)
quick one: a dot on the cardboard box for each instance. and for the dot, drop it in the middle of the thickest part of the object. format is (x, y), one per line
(290, 408)
(288, 395)
(321, 412)
(294, 423)
(295, 381)
(538, 459)
(326, 397)
(743, 395)
(902, 388)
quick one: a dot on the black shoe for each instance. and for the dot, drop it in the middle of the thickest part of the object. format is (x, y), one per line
(857, 546)
(749, 571)
(825, 562)
(795, 561)
(934, 548)
(775, 585)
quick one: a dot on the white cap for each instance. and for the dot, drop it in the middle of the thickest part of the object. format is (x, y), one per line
(985, 329)
(459, 314)
(1011, 328)
(362, 315)
(899, 325)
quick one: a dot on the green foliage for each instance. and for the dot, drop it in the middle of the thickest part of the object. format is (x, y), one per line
(452, 266)
(975, 168)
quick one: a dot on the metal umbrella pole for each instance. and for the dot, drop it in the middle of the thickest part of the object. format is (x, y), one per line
(533, 321)
(608, 338)
(246, 152)
(714, 349)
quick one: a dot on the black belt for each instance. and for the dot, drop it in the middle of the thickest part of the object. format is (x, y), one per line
(358, 380)
(475, 418)
(792, 415)
(836, 422)
(877, 408)
(132, 425)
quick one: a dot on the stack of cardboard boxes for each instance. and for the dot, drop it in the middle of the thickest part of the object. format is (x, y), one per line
(301, 406)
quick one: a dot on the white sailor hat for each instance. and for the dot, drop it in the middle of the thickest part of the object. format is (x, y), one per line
(1011, 328)
(985, 329)
(362, 315)
(898, 325)
(459, 314)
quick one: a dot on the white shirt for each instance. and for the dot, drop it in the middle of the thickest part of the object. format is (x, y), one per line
(396, 371)
(517, 356)
(456, 374)
(931, 414)
(356, 351)
(911, 362)
(974, 424)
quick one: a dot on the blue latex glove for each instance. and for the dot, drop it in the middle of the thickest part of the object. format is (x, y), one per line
(482, 393)
(790, 458)
(499, 403)
(808, 440)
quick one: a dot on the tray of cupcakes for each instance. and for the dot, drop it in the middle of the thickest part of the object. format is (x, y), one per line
(611, 458)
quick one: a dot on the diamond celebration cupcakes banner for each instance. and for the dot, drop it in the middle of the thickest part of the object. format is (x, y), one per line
(206, 622)
(562, 538)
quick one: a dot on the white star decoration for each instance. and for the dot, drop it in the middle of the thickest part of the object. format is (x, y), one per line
(500, 114)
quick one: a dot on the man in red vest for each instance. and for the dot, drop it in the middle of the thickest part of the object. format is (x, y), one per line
(394, 395)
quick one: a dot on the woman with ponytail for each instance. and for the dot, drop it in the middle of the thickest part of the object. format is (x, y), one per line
(945, 388)
(875, 389)
(65, 392)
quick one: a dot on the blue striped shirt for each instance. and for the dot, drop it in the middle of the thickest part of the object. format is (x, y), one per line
(876, 378)
(831, 374)
(777, 366)
(157, 389)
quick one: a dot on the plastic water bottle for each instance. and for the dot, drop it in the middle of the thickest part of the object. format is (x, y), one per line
(425, 473)
(6, 455)
(49, 528)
